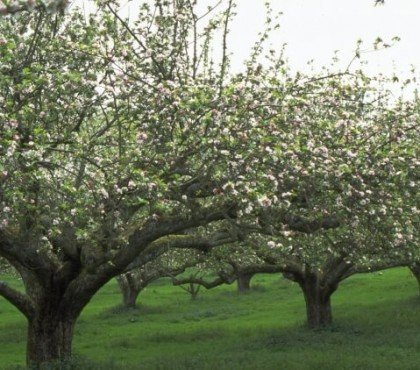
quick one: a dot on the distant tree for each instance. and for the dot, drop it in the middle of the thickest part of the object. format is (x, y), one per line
(240, 263)
(330, 185)
(319, 282)
(193, 283)
(169, 265)
(331, 181)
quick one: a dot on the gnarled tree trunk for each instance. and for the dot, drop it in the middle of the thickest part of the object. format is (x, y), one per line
(318, 303)
(317, 293)
(244, 282)
(55, 306)
(50, 337)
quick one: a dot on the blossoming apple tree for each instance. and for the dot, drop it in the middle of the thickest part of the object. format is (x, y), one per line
(113, 141)
(331, 180)
(169, 264)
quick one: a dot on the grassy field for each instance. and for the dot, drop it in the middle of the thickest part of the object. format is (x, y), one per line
(377, 326)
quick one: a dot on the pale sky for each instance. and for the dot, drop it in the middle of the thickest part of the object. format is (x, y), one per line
(315, 29)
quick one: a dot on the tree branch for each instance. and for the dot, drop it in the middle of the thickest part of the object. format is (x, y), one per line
(342, 270)
(21, 253)
(378, 266)
(271, 219)
(290, 264)
(162, 245)
(297, 223)
(20, 300)
(200, 281)
(154, 230)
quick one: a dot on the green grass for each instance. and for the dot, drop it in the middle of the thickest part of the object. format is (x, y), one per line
(377, 326)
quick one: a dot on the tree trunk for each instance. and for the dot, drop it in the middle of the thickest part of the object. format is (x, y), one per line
(56, 305)
(130, 290)
(318, 303)
(49, 339)
(244, 281)
(415, 269)
(130, 298)
(194, 289)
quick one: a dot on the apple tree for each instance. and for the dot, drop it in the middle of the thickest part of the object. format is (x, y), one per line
(331, 179)
(114, 140)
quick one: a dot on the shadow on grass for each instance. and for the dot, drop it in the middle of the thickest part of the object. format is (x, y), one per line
(366, 335)
(188, 337)
(139, 310)
(75, 363)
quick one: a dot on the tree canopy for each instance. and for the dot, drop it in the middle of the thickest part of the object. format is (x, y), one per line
(8, 7)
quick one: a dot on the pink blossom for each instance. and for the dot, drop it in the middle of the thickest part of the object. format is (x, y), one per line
(141, 137)
(151, 185)
(271, 244)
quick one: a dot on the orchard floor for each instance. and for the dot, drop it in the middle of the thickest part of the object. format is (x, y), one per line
(377, 326)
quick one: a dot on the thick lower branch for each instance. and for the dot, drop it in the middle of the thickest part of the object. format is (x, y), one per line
(271, 217)
(18, 299)
(288, 264)
(200, 281)
(303, 225)
(154, 230)
(164, 244)
(376, 266)
(22, 253)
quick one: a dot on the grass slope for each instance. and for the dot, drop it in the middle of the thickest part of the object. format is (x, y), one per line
(377, 326)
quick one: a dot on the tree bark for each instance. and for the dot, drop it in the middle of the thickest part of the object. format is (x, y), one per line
(244, 282)
(318, 302)
(415, 269)
(50, 337)
(56, 308)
